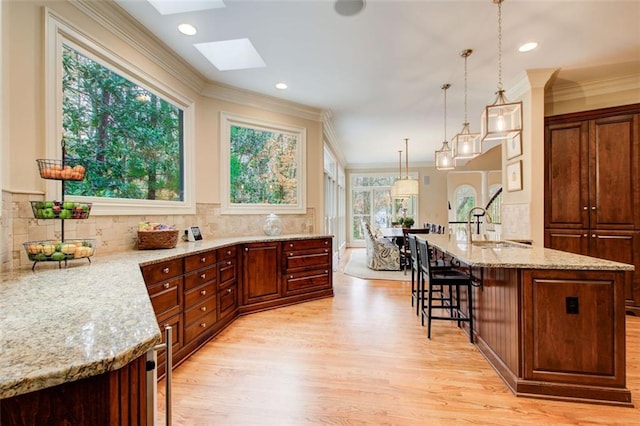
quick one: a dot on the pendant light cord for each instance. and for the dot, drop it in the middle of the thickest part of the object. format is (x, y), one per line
(499, 44)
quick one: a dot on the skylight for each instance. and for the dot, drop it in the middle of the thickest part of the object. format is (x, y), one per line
(169, 7)
(229, 55)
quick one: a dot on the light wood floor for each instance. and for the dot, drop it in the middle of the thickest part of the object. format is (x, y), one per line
(363, 358)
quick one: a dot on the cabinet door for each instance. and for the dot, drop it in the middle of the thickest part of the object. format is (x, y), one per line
(614, 157)
(571, 240)
(567, 175)
(620, 246)
(260, 278)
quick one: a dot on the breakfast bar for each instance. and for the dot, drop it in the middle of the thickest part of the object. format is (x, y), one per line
(551, 323)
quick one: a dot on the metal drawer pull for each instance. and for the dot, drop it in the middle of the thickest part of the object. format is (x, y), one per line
(291, 245)
(203, 276)
(165, 270)
(229, 263)
(290, 277)
(246, 249)
(203, 292)
(203, 324)
(326, 271)
(166, 285)
(203, 309)
(584, 208)
(228, 252)
(326, 242)
(229, 290)
(326, 250)
(203, 259)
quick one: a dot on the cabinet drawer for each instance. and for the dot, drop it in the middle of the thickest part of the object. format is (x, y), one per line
(200, 260)
(165, 297)
(162, 271)
(228, 299)
(307, 244)
(227, 272)
(196, 295)
(194, 279)
(200, 326)
(307, 280)
(226, 253)
(202, 308)
(307, 259)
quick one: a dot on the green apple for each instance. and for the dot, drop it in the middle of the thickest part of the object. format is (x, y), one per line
(68, 205)
(48, 204)
(65, 214)
(48, 213)
(58, 256)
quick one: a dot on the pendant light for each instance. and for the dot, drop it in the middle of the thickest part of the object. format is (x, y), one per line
(407, 187)
(501, 120)
(444, 156)
(394, 187)
(466, 144)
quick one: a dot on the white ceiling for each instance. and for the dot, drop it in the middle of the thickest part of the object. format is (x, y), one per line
(379, 72)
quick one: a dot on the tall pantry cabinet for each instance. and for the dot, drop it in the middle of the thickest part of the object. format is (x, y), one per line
(592, 188)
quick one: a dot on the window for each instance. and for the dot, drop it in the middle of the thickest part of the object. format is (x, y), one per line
(133, 134)
(465, 199)
(371, 202)
(262, 166)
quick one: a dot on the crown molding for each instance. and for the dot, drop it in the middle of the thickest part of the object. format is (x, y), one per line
(115, 19)
(257, 100)
(330, 137)
(584, 89)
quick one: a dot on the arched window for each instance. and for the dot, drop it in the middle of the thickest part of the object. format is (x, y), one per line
(465, 199)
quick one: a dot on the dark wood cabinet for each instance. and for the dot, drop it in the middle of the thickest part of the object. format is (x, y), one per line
(592, 188)
(116, 398)
(307, 265)
(200, 294)
(260, 272)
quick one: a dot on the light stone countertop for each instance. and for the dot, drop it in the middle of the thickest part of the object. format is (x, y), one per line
(60, 325)
(516, 255)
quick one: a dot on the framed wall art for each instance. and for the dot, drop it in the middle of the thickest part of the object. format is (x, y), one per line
(514, 176)
(514, 147)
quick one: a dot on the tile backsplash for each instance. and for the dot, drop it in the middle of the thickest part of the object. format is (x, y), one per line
(119, 233)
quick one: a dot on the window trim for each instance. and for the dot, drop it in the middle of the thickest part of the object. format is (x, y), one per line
(228, 119)
(57, 32)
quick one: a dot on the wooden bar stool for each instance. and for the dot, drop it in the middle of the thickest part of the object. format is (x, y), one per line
(447, 282)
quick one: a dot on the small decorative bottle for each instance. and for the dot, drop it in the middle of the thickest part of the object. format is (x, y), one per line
(272, 225)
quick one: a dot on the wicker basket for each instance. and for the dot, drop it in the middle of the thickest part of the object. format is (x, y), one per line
(164, 239)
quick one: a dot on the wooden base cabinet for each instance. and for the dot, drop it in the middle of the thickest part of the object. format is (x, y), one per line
(117, 398)
(200, 294)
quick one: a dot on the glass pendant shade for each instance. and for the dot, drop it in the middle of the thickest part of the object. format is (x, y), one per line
(501, 120)
(444, 158)
(466, 144)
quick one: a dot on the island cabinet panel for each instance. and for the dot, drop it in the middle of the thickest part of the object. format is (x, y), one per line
(497, 319)
(592, 164)
(260, 272)
(116, 398)
(573, 334)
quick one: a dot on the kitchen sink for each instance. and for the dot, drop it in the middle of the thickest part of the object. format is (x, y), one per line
(497, 244)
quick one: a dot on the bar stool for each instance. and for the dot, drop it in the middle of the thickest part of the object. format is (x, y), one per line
(416, 275)
(444, 282)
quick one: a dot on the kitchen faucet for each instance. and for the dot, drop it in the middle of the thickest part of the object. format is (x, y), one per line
(468, 229)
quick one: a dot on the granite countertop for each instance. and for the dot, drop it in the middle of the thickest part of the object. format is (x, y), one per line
(60, 325)
(515, 255)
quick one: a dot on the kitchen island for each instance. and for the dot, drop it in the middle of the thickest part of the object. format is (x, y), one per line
(551, 323)
(73, 340)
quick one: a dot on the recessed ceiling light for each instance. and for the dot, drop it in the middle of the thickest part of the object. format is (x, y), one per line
(348, 7)
(169, 7)
(231, 54)
(187, 29)
(527, 47)
(281, 86)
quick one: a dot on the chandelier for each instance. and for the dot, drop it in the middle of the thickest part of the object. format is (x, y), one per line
(444, 156)
(404, 188)
(501, 120)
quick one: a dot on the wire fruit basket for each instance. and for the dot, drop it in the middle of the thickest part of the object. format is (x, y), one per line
(60, 170)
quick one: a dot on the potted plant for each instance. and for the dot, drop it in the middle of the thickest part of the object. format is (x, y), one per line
(407, 222)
